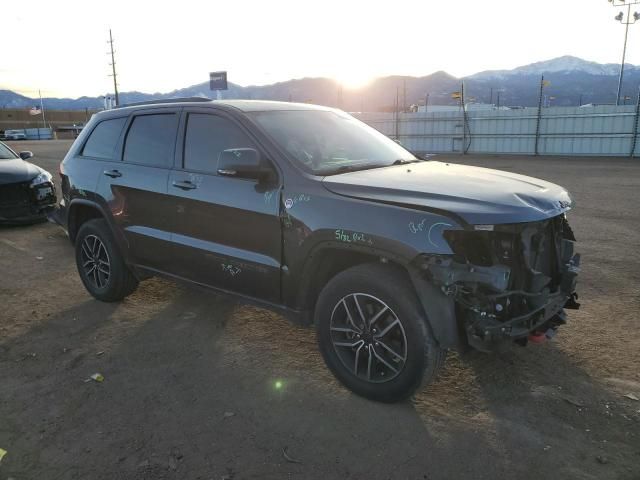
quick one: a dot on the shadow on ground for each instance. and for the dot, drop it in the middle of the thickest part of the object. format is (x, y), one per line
(190, 392)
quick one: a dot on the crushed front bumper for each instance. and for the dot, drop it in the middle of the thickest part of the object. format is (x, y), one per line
(527, 280)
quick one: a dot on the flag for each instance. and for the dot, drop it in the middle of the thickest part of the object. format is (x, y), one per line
(456, 95)
(546, 83)
(35, 111)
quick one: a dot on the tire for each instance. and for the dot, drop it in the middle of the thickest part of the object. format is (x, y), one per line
(95, 245)
(373, 362)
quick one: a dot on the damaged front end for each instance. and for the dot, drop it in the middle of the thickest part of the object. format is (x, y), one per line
(509, 282)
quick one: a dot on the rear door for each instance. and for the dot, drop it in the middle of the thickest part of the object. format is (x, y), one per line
(227, 231)
(134, 185)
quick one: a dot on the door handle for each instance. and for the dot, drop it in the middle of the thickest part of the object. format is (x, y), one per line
(112, 173)
(186, 185)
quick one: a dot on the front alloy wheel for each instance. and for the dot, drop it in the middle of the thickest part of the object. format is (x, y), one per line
(368, 338)
(373, 333)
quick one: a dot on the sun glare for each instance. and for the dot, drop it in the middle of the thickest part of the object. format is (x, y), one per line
(353, 80)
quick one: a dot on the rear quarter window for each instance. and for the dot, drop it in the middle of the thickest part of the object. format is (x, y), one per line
(102, 140)
(151, 140)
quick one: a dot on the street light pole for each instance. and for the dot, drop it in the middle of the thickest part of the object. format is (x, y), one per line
(627, 21)
(624, 54)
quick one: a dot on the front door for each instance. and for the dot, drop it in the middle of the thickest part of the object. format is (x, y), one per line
(227, 230)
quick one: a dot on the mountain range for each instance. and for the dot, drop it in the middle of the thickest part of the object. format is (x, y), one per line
(572, 80)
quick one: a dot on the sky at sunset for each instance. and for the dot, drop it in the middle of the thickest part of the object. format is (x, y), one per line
(61, 48)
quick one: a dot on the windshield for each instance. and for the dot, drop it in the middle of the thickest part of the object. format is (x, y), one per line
(329, 142)
(5, 153)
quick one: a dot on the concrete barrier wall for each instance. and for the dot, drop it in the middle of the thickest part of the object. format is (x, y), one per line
(604, 130)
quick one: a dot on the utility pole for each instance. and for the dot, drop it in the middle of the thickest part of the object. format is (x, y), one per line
(426, 103)
(397, 113)
(404, 95)
(113, 67)
(44, 120)
(464, 121)
(491, 96)
(535, 150)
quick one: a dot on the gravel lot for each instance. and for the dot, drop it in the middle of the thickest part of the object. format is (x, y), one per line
(190, 377)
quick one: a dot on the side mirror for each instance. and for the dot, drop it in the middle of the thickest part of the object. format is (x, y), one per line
(26, 155)
(242, 163)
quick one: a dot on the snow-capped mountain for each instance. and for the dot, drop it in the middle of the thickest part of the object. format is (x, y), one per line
(565, 64)
(573, 81)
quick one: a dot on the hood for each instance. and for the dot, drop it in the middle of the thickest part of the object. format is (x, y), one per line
(477, 195)
(16, 170)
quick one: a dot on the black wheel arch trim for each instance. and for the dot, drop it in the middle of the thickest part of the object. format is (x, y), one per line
(440, 311)
(119, 237)
(303, 296)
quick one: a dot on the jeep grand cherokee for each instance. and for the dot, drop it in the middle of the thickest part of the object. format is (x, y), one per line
(310, 212)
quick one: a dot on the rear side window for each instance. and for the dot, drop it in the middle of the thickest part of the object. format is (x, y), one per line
(102, 140)
(207, 136)
(151, 139)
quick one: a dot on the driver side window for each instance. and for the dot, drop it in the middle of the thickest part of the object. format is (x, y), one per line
(206, 137)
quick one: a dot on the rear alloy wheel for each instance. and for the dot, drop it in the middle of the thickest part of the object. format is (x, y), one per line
(373, 334)
(95, 261)
(101, 266)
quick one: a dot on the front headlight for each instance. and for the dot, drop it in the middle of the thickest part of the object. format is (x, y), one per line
(43, 177)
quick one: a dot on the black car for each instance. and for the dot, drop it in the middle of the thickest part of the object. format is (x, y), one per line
(27, 192)
(308, 211)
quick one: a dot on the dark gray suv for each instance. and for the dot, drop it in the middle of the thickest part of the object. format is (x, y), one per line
(308, 211)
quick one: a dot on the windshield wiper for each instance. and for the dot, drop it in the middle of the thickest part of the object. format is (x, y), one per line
(402, 161)
(355, 168)
(367, 166)
(349, 168)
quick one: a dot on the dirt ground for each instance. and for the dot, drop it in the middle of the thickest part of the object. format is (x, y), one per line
(191, 378)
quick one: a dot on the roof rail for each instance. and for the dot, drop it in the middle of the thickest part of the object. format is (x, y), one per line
(167, 100)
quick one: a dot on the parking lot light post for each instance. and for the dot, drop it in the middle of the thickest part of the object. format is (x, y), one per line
(626, 21)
